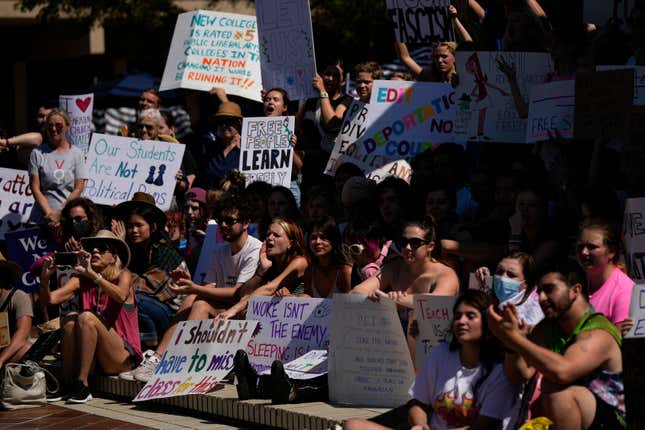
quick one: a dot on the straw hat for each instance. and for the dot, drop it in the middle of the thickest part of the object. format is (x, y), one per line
(228, 109)
(119, 246)
(141, 199)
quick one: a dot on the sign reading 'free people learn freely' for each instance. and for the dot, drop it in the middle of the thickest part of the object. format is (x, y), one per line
(266, 151)
(80, 110)
(200, 354)
(16, 200)
(118, 167)
(420, 21)
(214, 49)
(289, 328)
(287, 46)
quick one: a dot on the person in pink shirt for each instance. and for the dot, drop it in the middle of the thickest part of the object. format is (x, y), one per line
(609, 289)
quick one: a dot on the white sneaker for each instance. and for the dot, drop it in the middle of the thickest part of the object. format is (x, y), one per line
(147, 367)
(129, 375)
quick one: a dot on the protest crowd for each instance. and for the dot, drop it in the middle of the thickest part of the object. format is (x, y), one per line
(495, 188)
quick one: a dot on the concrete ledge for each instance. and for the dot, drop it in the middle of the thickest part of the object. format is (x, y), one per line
(224, 403)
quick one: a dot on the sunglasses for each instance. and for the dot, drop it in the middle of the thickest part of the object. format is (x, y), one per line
(414, 242)
(354, 248)
(229, 220)
(147, 127)
(103, 248)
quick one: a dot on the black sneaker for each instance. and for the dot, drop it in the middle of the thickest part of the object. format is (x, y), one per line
(281, 386)
(245, 377)
(80, 393)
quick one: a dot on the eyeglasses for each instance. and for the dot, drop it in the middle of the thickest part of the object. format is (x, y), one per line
(229, 220)
(354, 248)
(414, 242)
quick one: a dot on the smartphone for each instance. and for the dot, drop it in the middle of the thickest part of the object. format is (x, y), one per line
(66, 259)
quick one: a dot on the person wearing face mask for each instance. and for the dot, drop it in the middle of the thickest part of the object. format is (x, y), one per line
(514, 273)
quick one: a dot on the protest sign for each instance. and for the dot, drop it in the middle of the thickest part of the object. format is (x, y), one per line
(420, 21)
(24, 247)
(309, 366)
(485, 108)
(16, 200)
(199, 355)
(399, 168)
(118, 167)
(603, 103)
(634, 236)
(214, 49)
(637, 312)
(79, 109)
(369, 361)
(211, 239)
(347, 148)
(639, 81)
(529, 311)
(551, 111)
(266, 151)
(288, 328)
(434, 318)
(287, 46)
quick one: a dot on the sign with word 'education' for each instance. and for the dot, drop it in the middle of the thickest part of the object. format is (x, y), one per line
(420, 21)
(199, 356)
(79, 108)
(16, 200)
(266, 150)
(118, 167)
(214, 49)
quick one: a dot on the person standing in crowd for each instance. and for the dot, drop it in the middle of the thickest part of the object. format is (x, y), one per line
(57, 171)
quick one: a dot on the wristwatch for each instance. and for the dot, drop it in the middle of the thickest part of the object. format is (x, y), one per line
(324, 95)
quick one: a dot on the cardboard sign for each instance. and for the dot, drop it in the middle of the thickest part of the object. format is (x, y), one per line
(24, 247)
(287, 46)
(420, 21)
(603, 103)
(485, 108)
(369, 362)
(551, 111)
(288, 328)
(214, 49)
(434, 318)
(16, 200)
(200, 354)
(634, 236)
(120, 166)
(80, 109)
(347, 148)
(637, 312)
(266, 151)
(639, 81)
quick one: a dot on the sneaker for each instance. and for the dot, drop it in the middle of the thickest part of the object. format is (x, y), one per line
(129, 375)
(245, 377)
(80, 393)
(146, 369)
(281, 386)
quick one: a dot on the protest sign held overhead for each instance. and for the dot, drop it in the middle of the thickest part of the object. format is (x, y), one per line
(288, 328)
(199, 356)
(551, 110)
(287, 46)
(266, 150)
(420, 21)
(347, 149)
(485, 107)
(434, 318)
(634, 236)
(118, 167)
(24, 247)
(80, 110)
(214, 49)
(16, 200)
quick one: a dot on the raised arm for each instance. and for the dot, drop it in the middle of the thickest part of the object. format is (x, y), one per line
(404, 55)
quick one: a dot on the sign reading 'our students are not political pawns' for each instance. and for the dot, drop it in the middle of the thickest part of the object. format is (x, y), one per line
(118, 167)
(214, 49)
(420, 21)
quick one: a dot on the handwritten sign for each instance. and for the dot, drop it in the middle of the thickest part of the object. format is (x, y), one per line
(267, 153)
(399, 168)
(637, 312)
(309, 366)
(120, 166)
(214, 49)
(551, 110)
(420, 21)
(16, 200)
(603, 103)
(80, 110)
(24, 247)
(288, 329)
(634, 236)
(286, 46)
(347, 148)
(200, 354)
(639, 81)
(434, 318)
(485, 108)
(369, 362)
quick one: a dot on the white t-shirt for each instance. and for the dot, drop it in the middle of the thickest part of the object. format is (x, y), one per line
(228, 270)
(446, 386)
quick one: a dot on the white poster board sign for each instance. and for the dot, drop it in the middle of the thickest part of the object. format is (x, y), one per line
(634, 236)
(214, 49)
(637, 312)
(311, 365)
(118, 167)
(399, 168)
(266, 151)
(287, 46)
(80, 110)
(639, 81)
(423, 21)
(551, 111)
(347, 148)
(434, 318)
(16, 199)
(289, 328)
(486, 111)
(369, 361)
(199, 356)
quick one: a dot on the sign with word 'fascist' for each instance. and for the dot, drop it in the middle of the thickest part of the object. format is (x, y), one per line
(420, 21)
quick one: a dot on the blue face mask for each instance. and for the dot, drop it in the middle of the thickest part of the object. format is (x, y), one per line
(505, 288)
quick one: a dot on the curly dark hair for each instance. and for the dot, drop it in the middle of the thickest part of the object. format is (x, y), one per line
(93, 212)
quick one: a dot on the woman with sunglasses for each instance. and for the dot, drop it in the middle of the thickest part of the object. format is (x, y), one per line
(106, 330)
(368, 248)
(57, 171)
